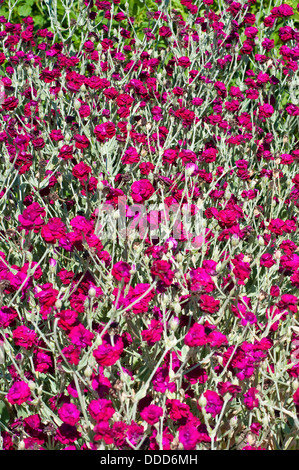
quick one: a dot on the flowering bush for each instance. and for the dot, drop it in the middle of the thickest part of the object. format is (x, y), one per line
(149, 201)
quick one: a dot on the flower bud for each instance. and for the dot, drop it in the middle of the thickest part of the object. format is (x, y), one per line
(235, 240)
(19, 358)
(174, 321)
(58, 304)
(29, 256)
(31, 385)
(98, 341)
(88, 371)
(67, 138)
(202, 401)
(92, 292)
(177, 308)
(227, 195)
(21, 445)
(261, 241)
(77, 104)
(221, 266)
(52, 265)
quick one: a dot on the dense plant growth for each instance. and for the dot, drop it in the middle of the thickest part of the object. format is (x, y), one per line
(149, 251)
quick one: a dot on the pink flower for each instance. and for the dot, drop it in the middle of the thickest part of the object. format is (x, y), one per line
(266, 111)
(24, 337)
(121, 270)
(209, 304)
(241, 269)
(153, 333)
(250, 399)
(18, 393)
(80, 336)
(69, 414)
(81, 171)
(184, 62)
(142, 190)
(53, 230)
(47, 295)
(200, 281)
(7, 316)
(106, 354)
(130, 156)
(134, 433)
(82, 142)
(101, 409)
(196, 336)
(105, 131)
(188, 436)
(151, 414)
(214, 403)
(162, 269)
(31, 219)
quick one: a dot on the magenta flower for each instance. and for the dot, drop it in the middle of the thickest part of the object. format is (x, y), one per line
(151, 414)
(24, 337)
(53, 230)
(101, 409)
(250, 399)
(107, 355)
(121, 270)
(189, 436)
(142, 190)
(196, 336)
(69, 414)
(214, 403)
(80, 336)
(18, 393)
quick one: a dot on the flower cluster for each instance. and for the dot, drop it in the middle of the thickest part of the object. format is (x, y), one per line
(164, 334)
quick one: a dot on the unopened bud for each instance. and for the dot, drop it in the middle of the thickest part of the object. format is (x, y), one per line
(77, 104)
(174, 322)
(88, 371)
(235, 240)
(262, 296)
(31, 385)
(29, 256)
(177, 308)
(227, 195)
(21, 445)
(58, 304)
(202, 401)
(92, 292)
(261, 241)
(67, 138)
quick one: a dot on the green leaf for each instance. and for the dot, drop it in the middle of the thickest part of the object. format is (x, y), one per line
(24, 10)
(39, 20)
(4, 415)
